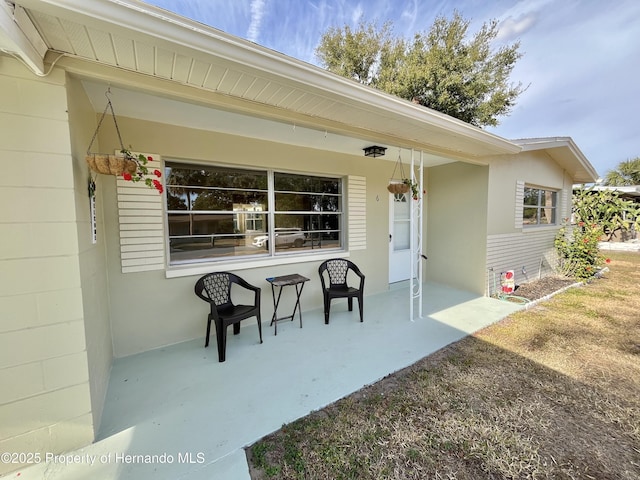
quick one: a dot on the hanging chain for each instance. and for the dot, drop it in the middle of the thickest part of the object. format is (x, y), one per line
(398, 162)
(109, 106)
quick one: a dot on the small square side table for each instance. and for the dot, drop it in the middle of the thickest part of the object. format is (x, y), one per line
(295, 280)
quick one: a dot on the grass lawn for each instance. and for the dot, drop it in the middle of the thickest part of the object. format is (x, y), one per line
(552, 392)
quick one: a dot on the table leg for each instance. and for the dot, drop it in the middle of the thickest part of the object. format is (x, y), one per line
(297, 305)
(274, 319)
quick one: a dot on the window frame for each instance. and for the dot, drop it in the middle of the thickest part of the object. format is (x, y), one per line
(539, 206)
(272, 255)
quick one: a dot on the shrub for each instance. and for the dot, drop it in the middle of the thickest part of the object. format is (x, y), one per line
(578, 252)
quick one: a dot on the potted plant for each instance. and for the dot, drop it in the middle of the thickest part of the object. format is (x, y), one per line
(136, 170)
(413, 186)
(132, 168)
(398, 186)
(404, 184)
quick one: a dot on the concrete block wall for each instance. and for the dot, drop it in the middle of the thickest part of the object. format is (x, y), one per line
(45, 403)
(92, 256)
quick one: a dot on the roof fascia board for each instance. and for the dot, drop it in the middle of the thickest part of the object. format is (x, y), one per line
(551, 143)
(167, 26)
(18, 36)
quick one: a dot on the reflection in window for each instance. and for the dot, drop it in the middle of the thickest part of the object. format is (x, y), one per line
(221, 212)
(539, 207)
(312, 205)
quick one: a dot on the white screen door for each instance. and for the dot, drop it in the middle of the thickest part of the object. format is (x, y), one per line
(399, 237)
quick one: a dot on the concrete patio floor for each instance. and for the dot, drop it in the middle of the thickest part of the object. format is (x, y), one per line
(176, 413)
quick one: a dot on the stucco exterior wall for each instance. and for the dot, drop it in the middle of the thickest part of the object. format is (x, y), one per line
(534, 168)
(149, 310)
(44, 396)
(457, 225)
(529, 251)
(92, 257)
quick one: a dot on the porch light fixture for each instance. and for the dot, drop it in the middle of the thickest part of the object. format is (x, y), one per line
(374, 151)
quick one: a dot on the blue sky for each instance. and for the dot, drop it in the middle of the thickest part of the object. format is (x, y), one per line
(581, 57)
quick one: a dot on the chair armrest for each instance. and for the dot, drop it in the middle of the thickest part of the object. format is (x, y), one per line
(198, 289)
(357, 271)
(256, 290)
(321, 273)
(243, 283)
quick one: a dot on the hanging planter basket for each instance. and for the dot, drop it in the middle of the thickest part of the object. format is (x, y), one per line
(110, 164)
(133, 168)
(105, 163)
(397, 187)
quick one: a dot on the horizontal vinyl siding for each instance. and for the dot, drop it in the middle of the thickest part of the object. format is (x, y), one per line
(533, 250)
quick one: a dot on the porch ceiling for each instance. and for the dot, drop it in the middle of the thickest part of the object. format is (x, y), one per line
(228, 71)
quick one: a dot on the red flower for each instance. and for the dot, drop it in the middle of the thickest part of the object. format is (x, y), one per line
(581, 224)
(149, 158)
(608, 260)
(157, 173)
(126, 176)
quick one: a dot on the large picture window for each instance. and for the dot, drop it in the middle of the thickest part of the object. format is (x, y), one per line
(539, 207)
(217, 213)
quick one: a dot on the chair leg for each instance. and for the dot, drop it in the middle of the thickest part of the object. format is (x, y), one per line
(327, 308)
(360, 306)
(221, 336)
(350, 300)
(206, 340)
(259, 326)
(236, 328)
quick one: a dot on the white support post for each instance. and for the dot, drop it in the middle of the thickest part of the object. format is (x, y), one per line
(420, 229)
(415, 243)
(416, 213)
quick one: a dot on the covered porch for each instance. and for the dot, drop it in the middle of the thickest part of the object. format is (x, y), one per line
(176, 412)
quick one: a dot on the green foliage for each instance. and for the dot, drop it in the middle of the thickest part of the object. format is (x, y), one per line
(627, 173)
(578, 252)
(357, 54)
(441, 69)
(606, 208)
(597, 213)
(413, 186)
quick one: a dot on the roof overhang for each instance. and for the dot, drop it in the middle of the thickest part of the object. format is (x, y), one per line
(224, 71)
(18, 36)
(631, 191)
(566, 153)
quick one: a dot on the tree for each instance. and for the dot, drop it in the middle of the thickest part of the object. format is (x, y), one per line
(596, 213)
(627, 173)
(441, 69)
(607, 209)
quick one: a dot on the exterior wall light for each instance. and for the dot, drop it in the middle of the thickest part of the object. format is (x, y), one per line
(374, 151)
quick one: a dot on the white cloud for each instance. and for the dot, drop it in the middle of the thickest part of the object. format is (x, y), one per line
(580, 59)
(511, 27)
(257, 12)
(357, 14)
